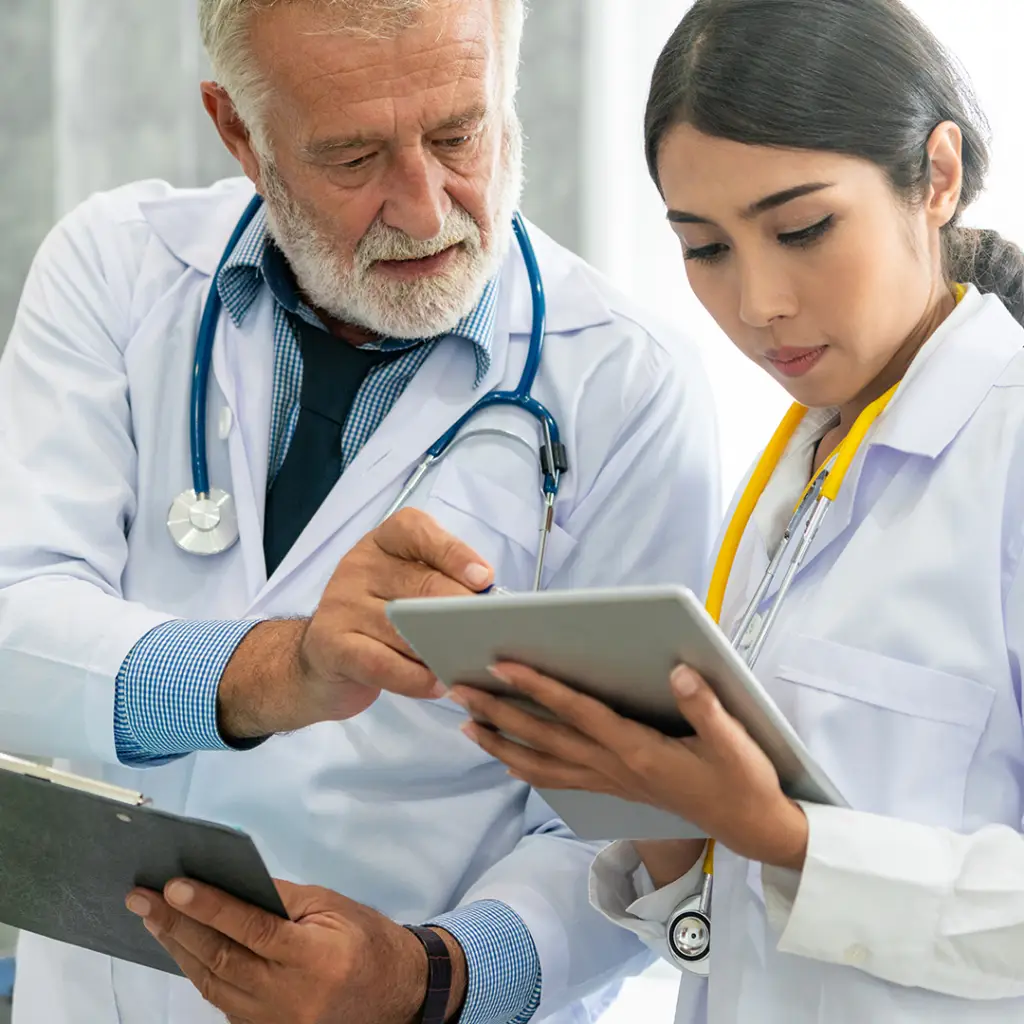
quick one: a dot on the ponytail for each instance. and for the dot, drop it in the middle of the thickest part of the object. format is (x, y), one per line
(988, 261)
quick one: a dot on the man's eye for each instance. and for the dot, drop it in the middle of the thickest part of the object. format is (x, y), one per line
(361, 161)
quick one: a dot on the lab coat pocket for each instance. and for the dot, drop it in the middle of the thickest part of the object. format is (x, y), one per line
(896, 738)
(498, 523)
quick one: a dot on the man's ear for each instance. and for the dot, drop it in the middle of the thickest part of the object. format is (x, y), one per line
(231, 128)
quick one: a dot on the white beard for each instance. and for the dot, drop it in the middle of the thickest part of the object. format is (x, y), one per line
(362, 295)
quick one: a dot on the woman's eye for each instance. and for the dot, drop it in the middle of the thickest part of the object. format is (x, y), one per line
(706, 253)
(807, 236)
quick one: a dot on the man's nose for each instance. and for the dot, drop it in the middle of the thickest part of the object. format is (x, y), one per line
(418, 202)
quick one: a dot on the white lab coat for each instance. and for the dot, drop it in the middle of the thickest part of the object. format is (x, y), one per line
(394, 808)
(897, 657)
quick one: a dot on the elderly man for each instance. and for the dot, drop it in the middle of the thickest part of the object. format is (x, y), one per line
(370, 301)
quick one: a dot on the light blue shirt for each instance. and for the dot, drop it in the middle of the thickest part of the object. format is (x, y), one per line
(166, 691)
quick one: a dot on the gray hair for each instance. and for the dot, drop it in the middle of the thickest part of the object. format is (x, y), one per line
(225, 31)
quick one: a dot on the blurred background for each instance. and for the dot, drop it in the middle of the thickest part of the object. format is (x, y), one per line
(95, 93)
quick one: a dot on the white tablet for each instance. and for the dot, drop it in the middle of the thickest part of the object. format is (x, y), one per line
(619, 646)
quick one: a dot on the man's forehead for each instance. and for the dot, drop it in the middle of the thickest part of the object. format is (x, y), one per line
(309, 53)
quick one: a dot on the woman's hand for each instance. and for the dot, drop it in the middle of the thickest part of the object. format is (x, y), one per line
(719, 779)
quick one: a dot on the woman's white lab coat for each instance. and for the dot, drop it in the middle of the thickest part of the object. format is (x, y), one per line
(897, 657)
(394, 808)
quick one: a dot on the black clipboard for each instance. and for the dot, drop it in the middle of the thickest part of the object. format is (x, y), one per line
(72, 849)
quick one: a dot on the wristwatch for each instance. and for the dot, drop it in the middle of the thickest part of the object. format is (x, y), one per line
(439, 976)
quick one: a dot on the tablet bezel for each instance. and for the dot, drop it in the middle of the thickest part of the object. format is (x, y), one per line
(618, 645)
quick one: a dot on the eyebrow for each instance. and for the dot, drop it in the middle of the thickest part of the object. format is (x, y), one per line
(772, 202)
(340, 144)
(470, 119)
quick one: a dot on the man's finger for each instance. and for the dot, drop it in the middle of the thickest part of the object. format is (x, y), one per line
(374, 664)
(217, 953)
(266, 935)
(303, 901)
(240, 1007)
(398, 579)
(415, 537)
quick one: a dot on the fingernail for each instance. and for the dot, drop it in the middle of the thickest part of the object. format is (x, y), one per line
(438, 691)
(180, 894)
(684, 682)
(500, 676)
(470, 731)
(477, 575)
(458, 698)
(139, 905)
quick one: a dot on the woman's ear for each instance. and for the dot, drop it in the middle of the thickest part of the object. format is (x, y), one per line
(945, 153)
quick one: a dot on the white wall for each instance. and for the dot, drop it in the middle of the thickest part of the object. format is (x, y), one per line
(625, 234)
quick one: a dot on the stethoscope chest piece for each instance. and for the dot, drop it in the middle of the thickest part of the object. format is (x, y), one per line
(689, 936)
(203, 525)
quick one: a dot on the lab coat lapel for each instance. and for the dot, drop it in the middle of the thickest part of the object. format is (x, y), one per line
(961, 363)
(243, 368)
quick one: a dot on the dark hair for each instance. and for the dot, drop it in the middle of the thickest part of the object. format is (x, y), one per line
(861, 77)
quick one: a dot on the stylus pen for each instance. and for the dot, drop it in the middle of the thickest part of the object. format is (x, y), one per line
(495, 591)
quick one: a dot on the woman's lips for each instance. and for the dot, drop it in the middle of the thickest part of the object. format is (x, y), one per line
(795, 362)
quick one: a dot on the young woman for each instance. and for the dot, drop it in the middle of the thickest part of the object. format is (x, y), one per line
(815, 157)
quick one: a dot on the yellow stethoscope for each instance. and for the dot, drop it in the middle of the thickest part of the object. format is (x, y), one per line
(689, 929)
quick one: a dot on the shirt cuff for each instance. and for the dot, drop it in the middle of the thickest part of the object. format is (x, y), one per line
(865, 877)
(165, 695)
(621, 890)
(503, 968)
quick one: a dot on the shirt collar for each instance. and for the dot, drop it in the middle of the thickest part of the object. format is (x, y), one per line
(256, 260)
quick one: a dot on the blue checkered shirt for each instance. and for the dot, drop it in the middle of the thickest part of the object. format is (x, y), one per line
(165, 704)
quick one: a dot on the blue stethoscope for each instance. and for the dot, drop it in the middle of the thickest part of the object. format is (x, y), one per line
(204, 521)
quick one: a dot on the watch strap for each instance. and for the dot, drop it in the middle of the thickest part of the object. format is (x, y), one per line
(439, 976)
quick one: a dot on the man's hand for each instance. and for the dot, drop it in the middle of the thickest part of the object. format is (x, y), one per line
(288, 675)
(334, 962)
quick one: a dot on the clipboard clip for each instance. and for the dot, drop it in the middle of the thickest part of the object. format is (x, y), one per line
(69, 781)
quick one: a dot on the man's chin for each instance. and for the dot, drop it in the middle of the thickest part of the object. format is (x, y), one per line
(422, 308)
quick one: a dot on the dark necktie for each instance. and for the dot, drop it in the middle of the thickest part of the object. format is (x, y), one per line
(332, 373)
